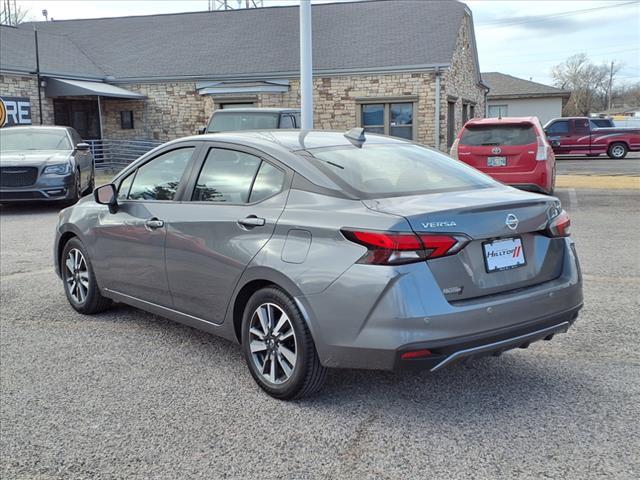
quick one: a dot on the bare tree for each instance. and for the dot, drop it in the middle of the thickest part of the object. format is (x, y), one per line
(13, 14)
(589, 83)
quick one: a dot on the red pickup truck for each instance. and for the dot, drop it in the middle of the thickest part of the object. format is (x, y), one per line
(578, 135)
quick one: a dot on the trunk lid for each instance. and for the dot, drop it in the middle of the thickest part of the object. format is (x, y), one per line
(482, 215)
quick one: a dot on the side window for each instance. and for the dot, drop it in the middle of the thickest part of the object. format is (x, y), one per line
(226, 177)
(159, 179)
(286, 121)
(581, 127)
(125, 186)
(268, 182)
(559, 127)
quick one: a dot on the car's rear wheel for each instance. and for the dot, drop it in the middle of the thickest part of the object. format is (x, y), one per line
(278, 346)
(617, 151)
(80, 284)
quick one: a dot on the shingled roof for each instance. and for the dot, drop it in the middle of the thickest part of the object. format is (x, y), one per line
(58, 54)
(348, 37)
(507, 86)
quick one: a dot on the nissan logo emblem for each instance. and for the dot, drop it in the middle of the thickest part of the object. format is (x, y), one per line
(496, 150)
(511, 222)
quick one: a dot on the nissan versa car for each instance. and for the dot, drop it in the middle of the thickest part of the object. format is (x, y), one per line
(45, 164)
(513, 150)
(321, 249)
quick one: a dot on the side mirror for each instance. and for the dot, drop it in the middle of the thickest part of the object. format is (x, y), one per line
(107, 195)
(83, 146)
(202, 130)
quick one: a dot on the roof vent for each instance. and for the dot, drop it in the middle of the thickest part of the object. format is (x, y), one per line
(356, 136)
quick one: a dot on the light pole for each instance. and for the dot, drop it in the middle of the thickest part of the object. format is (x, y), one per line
(306, 65)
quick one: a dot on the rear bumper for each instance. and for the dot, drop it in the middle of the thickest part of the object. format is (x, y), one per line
(491, 343)
(537, 180)
(366, 320)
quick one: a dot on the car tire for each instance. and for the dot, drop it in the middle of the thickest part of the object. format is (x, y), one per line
(617, 151)
(79, 280)
(552, 188)
(92, 184)
(278, 346)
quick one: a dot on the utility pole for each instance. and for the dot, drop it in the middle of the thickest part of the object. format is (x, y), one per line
(610, 93)
(306, 65)
(38, 75)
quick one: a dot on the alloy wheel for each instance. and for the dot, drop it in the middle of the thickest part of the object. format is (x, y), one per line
(76, 275)
(273, 343)
(617, 151)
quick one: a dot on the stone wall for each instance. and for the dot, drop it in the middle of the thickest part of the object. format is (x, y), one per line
(460, 83)
(336, 99)
(176, 109)
(171, 110)
(27, 86)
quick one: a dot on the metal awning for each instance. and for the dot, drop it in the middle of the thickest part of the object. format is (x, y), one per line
(58, 87)
(243, 87)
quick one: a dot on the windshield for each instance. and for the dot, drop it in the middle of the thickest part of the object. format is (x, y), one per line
(477, 135)
(228, 122)
(395, 170)
(31, 139)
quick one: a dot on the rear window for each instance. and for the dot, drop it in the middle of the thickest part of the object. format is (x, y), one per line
(232, 121)
(376, 171)
(477, 135)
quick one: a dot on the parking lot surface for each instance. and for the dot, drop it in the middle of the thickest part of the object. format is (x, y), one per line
(125, 394)
(601, 165)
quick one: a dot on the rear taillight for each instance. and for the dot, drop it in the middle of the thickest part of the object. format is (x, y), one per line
(543, 151)
(454, 149)
(560, 225)
(394, 248)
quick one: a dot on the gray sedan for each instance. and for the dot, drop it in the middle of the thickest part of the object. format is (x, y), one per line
(322, 249)
(44, 164)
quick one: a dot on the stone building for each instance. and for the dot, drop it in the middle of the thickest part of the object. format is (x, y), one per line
(402, 68)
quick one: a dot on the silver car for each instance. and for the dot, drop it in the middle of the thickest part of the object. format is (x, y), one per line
(317, 249)
(44, 164)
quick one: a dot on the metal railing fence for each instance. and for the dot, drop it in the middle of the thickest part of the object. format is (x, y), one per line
(111, 154)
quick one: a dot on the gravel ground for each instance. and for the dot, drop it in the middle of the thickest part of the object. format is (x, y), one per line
(129, 395)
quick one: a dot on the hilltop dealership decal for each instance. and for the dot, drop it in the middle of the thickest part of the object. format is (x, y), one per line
(15, 111)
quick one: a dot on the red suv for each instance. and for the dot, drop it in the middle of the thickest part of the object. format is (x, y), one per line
(513, 150)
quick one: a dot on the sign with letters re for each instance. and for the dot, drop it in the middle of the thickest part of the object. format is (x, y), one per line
(15, 111)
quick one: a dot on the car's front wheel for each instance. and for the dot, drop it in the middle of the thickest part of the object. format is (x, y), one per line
(80, 284)
(617, 151)
(278, 346)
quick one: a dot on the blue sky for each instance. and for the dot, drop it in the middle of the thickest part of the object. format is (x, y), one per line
(519, 37)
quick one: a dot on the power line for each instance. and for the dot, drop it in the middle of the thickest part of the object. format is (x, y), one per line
(506, 22)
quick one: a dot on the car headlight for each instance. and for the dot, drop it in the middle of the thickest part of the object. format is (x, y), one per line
(59, 169)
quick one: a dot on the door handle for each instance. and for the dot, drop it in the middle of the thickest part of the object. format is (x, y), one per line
(154, 223)
(252, 221)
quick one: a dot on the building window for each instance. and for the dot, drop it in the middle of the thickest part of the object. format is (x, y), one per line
(373, 118)
(126, 120)
(472, 111)
(395, 119)
(451, 122)
(498, 111)
(465, 113)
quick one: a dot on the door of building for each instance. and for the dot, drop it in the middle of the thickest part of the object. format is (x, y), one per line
(82, 115)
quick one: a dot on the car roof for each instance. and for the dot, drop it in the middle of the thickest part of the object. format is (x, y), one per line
(257, 110)
(502, 120)
(291, 140)
(283, 143)
(36, 127)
